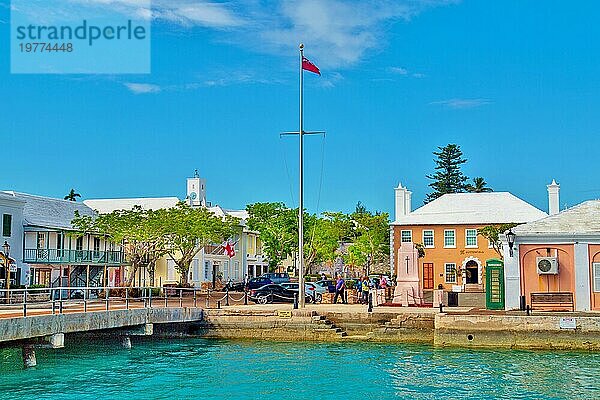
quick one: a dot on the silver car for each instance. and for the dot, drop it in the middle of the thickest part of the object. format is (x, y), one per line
(313, 293)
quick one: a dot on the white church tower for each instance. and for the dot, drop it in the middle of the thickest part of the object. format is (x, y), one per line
(196, 191)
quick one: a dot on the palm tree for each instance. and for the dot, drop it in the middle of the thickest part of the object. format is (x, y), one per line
(72, 196)
(479, 186)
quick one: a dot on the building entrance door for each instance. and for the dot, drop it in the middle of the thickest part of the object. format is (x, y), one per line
(472, 272)
(427, 276)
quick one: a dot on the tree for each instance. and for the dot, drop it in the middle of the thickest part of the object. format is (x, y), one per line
(325, 235)
(479, 186)
(448, 177)
(371, 241)
(138, 231)
(72, 196)
(277, 225)
(492, 234)
(187, 230)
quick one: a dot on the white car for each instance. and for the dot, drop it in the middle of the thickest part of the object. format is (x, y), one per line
(312, 292)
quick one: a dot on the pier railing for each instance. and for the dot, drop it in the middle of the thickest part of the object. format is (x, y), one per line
(59, 300)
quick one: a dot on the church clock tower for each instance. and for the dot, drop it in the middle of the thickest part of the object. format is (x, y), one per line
(196, 191)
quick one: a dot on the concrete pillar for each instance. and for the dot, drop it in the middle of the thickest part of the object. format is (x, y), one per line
(582, 277)
(438, 297)
(148, 329)
(29, 360)
(56, 341)
(512, 278)
(126, 342)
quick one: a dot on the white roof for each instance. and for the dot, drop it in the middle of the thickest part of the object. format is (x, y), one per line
(105, 206)
(47, 212)
(583, 218)
(472, 209)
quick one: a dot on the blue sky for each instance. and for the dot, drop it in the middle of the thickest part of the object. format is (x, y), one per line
(514, 83)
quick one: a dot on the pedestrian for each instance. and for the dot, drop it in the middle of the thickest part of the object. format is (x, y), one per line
(340, 287)
(365, 289)
(359, 289)
(383, 282)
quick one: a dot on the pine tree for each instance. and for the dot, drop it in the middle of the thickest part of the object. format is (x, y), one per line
(479, 186)
(448, 177)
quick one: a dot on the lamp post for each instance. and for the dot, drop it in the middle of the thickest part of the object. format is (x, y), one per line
(510, 238)
(5, 258)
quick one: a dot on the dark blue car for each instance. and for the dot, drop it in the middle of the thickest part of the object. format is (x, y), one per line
(256, 283)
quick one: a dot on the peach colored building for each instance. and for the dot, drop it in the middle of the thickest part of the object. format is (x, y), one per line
(448, 230)
(557, 254)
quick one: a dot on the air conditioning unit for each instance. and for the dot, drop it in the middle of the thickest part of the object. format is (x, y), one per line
(546, 265)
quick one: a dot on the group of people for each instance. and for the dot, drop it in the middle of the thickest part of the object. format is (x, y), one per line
(363, 286)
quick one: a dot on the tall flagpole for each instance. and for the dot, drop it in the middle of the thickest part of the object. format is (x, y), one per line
(301, 194)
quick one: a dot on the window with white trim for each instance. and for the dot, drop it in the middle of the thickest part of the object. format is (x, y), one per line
(406, 236)
(471, 238)
(428, 241)
(449, 238)
(596, 268)
(450, 272)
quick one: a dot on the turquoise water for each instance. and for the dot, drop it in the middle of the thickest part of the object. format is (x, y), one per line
(198, 368)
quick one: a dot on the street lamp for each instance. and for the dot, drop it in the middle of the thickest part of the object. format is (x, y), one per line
(6, 260)
(510, 238)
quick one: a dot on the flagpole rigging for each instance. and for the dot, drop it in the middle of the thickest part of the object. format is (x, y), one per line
(301, 293)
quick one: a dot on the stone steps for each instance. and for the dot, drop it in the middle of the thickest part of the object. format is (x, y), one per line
(328, 326)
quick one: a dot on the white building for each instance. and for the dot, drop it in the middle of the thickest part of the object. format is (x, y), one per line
(46, 247)
(211, 264)
(11, 211)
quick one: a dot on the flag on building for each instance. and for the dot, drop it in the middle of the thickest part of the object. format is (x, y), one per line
(308, 66)
(229, 250)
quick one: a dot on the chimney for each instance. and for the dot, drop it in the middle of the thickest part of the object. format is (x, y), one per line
(553, 198)
(403, 201)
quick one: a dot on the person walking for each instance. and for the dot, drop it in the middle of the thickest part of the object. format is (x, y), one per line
(359, 290)
(340, 287)
(365, 289)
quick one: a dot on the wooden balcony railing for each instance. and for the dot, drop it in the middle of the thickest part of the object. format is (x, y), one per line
(58, 256)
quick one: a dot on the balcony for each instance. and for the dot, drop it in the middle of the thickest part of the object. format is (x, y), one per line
(57, 256)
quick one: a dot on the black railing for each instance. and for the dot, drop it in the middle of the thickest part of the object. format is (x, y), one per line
(58, 256)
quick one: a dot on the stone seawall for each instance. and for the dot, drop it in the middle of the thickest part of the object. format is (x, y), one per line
(310, 325)
(518, 331)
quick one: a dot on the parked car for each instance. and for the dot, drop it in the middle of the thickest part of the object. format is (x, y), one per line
(272, 293)
(277, 277)
(328, 284)
(256, 283)
(234, 286)
(312, 292)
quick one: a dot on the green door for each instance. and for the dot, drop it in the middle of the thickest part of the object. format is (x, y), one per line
(494, 276)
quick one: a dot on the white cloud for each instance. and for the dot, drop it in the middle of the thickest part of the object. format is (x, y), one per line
(142, 88)
(201, 13)
(329, 80)
(337, 33)
(398, 70)
(459, 104)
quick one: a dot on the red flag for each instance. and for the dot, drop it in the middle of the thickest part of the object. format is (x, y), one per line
(229, 250)
(307, 65)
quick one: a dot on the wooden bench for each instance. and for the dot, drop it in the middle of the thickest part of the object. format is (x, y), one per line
(552, 301)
